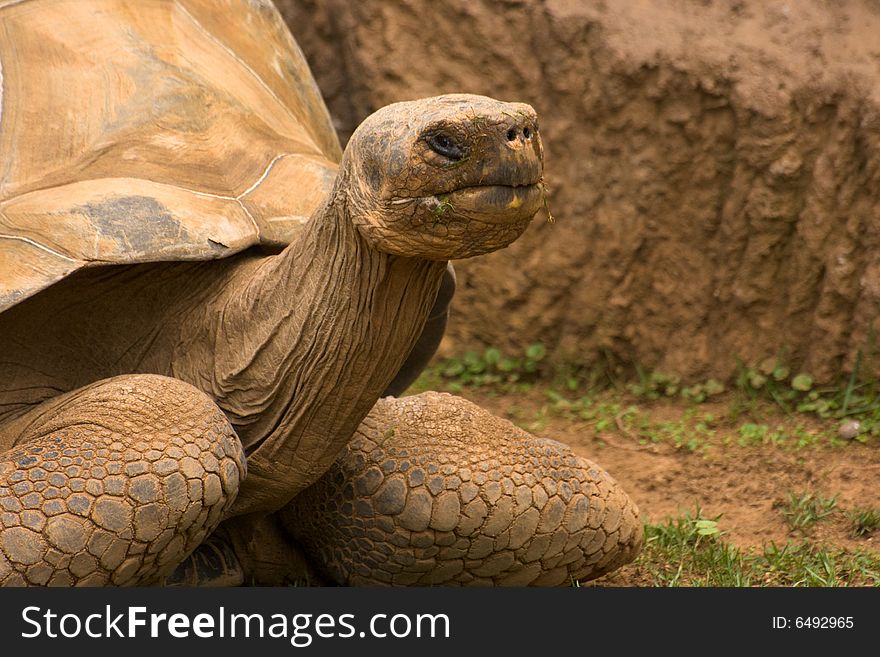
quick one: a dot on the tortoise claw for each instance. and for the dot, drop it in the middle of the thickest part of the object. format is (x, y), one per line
(212, 564)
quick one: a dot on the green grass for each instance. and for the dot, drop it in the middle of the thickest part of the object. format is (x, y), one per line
(691, 551)
(864, 521)
(784, 434)
(773, 381)
(489, 369)
(769, 405)
(693, 431)
(857, 397)
(805, 509)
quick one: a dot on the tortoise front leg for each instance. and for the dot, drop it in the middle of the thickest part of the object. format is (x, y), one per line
(113, 483)
(434, 490)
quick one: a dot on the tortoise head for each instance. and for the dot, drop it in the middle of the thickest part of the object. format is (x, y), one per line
(445, 177)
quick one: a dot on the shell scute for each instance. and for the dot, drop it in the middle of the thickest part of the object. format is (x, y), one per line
(139, 136)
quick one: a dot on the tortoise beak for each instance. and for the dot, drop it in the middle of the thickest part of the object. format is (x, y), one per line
(504, 186)
(497, 204)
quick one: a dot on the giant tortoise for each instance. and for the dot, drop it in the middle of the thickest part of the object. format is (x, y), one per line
(203, 300)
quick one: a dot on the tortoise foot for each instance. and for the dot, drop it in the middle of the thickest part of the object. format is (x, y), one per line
(212, 564)
(434, 490)
(114, 483)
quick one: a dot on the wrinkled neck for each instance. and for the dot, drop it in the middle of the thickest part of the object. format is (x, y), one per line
(306, 345)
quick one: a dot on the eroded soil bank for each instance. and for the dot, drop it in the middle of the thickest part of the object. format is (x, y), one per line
(714, 167)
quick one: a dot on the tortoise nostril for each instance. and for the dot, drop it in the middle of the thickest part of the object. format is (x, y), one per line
(527, 133)
(511, 134)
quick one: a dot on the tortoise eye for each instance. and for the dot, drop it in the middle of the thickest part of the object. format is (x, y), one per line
(444, 145)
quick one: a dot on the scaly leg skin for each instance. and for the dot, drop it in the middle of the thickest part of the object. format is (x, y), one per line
(256, 549)
(113, 483)
(433, 490)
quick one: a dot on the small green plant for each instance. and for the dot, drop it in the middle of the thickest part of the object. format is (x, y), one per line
(707, 527)
(689, 529)
(703, 391)
(691, 431)
(802, 383)
(601, 414)
(492, 368)
(864, 521)
(772, 378)
(857, 398)
(442, 208)
(656, 385)
(804, 510)
(752, 434)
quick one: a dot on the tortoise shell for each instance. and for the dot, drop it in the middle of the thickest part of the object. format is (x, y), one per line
(161, 130)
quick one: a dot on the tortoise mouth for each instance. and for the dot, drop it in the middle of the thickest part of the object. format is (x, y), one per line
(497, 204)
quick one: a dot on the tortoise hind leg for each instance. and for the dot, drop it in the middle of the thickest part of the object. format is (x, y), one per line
(114, 483)
(434, 490)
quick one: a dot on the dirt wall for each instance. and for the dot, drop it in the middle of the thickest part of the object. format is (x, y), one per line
(714, 168)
